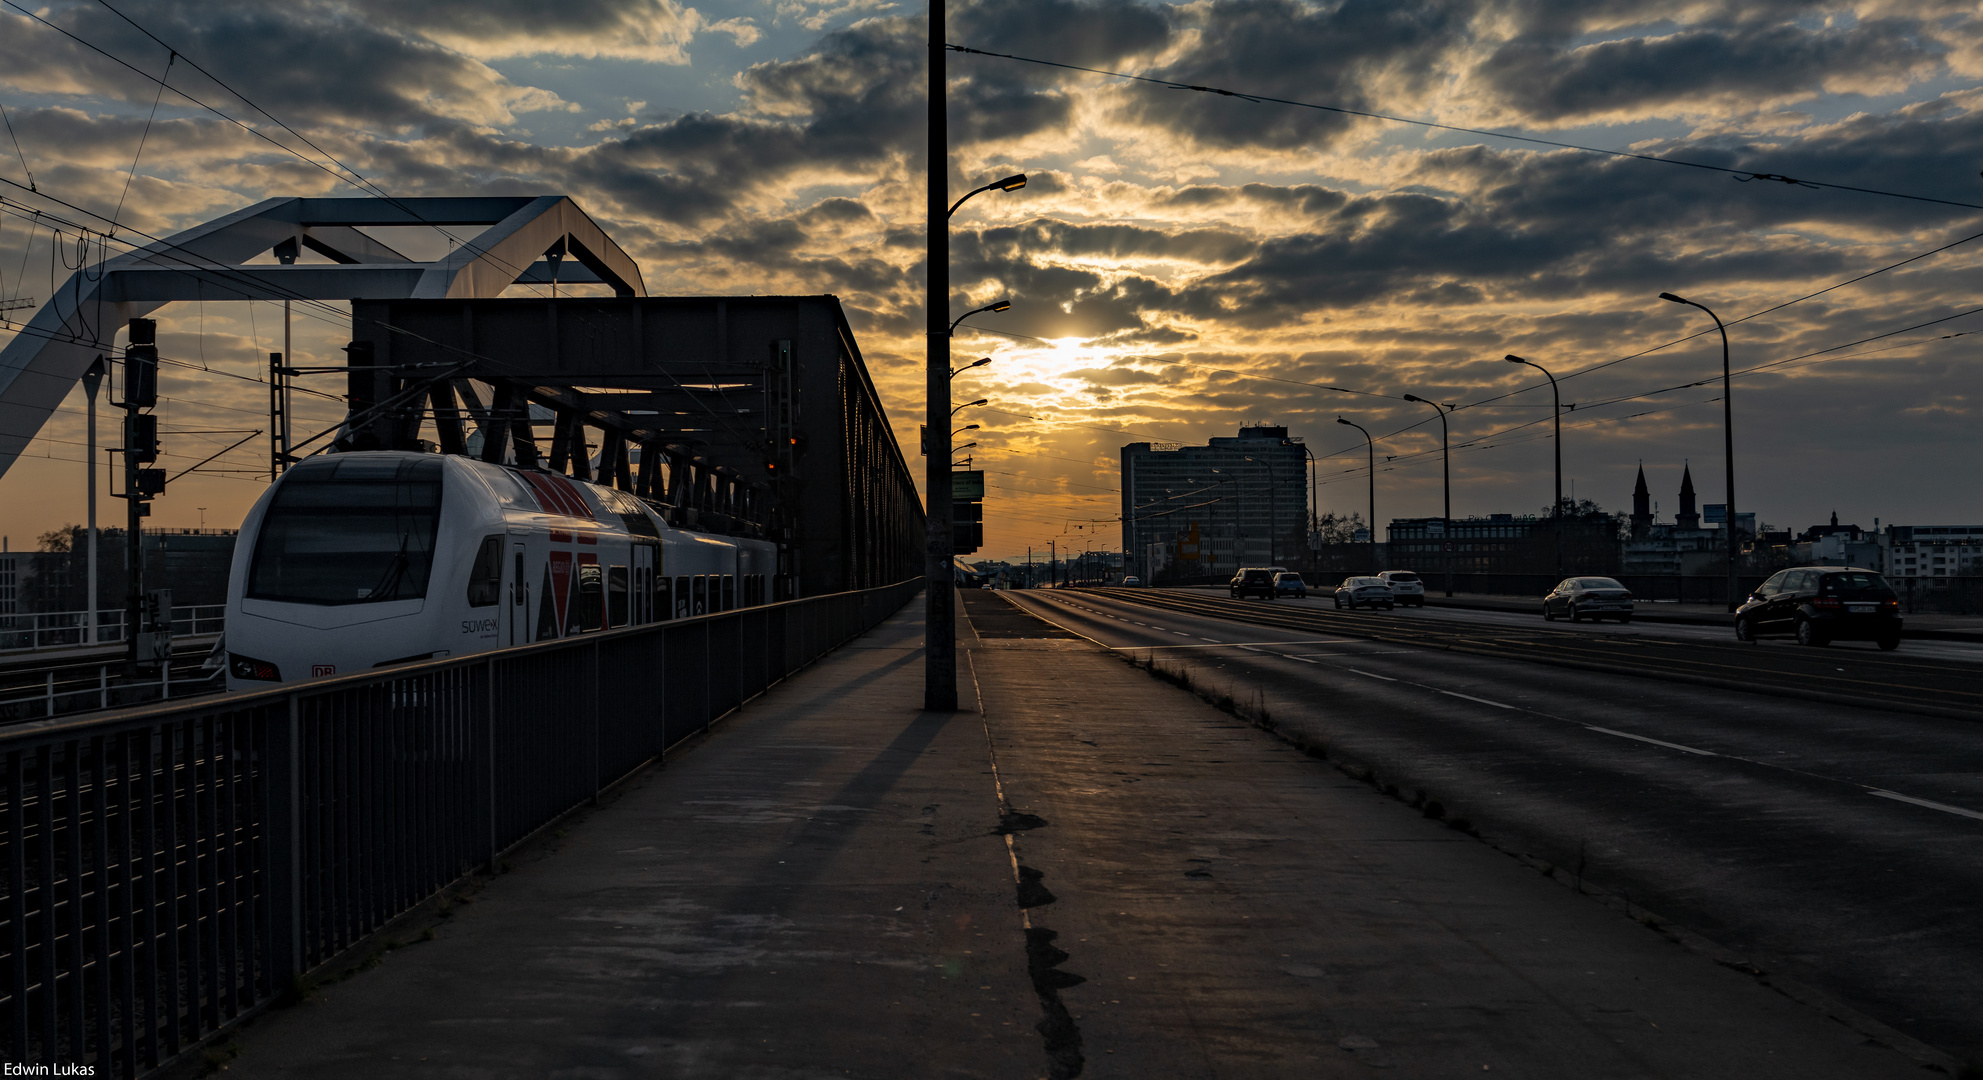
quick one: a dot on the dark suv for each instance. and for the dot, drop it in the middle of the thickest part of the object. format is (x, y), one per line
(1823, 604)
(1253, 581)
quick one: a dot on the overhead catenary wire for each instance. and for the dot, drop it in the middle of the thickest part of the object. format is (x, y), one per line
(1739, 174)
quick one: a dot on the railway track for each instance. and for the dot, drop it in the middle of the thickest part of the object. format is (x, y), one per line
(1876, 680)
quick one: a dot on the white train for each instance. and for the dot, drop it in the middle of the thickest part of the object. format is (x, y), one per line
(357, 561)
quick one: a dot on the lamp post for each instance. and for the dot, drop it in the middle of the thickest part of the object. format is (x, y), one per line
(1371, 445)
(1556, 408)
(1314, 552)
(1446, 475)
(1727, 441)
(956, 371)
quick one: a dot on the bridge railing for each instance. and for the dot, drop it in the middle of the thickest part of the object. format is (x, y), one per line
(32, 630)
(168, 870)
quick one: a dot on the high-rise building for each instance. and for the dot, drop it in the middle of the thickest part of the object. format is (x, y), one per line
(1240, 501)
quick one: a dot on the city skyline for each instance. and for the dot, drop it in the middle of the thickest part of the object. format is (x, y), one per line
(1180, 264)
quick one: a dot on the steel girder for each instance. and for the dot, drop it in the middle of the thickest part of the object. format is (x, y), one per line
(520, 239)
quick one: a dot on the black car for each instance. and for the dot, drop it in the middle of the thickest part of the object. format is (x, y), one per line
(1822, 604)
(1253, 581)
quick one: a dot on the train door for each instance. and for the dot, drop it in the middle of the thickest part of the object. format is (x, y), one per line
(519, 593)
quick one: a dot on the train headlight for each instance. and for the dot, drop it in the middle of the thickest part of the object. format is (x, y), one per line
(247, 667)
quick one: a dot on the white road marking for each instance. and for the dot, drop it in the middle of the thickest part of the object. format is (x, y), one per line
(1470, 697)
(1655, 742)
(1213, 640)
(1386, 678)
(1943, 807)
(1180, 633)
(1223, 645)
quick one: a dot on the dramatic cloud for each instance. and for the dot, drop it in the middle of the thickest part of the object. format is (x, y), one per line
(1180, 262)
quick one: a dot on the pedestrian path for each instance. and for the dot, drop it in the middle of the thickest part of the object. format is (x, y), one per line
(1085, 872)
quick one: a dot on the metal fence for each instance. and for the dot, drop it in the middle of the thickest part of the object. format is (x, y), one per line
(168, 870)
(29, 631)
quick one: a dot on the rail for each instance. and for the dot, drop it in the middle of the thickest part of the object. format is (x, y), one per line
(30, 631)
(169, 870)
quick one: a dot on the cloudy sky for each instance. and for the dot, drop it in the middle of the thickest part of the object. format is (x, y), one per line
(1181, 264)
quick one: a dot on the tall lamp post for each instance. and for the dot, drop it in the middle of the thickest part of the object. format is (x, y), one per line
(1556, 408)
(1727, 441)
(1314, 551)
(1446, 475)
(1371, 445)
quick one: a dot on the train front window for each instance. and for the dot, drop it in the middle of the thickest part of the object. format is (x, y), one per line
(349, 532)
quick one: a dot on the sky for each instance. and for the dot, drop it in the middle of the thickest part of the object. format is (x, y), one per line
(1180, 264)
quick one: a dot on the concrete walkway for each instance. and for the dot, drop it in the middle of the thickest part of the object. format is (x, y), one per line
(832, 885)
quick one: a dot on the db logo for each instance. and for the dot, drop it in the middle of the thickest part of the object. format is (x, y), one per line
(322, 669)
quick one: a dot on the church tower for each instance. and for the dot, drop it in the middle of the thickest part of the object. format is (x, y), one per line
(1688, 517)
(1641, 506)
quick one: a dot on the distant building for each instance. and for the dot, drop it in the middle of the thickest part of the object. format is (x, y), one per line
(1682, 547)
(1932, 552)
(1242, 501)
(1840, 545)
(1503, 544)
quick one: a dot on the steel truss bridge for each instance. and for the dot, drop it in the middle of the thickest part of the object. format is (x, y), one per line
(747, 415)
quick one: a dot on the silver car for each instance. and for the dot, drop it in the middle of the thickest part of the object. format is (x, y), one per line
(1358, 591)
(1593, 598)
(1405, 586)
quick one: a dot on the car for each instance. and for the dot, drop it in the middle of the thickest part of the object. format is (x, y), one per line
(1821, 604)
(1251, 580)
(1593, 598)
(1406, 586)
(1131, 582)
(1355, 591)
(1289, 583)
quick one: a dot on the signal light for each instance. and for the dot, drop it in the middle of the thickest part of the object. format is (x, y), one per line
(141, 376)
(143, 331)
(141, 437)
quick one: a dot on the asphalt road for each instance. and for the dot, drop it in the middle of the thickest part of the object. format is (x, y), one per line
(1840, 845)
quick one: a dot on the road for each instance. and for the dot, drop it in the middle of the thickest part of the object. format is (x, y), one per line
(1839, 844)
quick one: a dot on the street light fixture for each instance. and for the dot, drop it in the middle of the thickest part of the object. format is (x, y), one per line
(969, 404)
(1000, 305)
(966, 427)
(1371, 445)
(1556, 408)
(1010, 183)
(955, 449)
(954, 372)
(1446, 474)
(1727, 441)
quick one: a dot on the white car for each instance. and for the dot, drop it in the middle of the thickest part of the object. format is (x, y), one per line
(1357, 591)
(1405, 586)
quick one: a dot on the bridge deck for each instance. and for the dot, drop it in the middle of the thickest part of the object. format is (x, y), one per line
(832, 883)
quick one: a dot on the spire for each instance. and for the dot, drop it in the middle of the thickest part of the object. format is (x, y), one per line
(1688, 517)
(1641, 505)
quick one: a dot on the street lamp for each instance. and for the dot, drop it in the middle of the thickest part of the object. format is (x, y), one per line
(1727, 440)
(1556, 407)
(1446, 472)
(954, 372)
(1314, 551)
(1371, 445)
(966, 427)
(997, 305)
(967, 405)
(1010, 183)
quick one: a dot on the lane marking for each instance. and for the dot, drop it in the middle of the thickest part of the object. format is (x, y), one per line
(1943, 807)
(1225, 645)
(1470, 697)
(1655, 742)
(1367, 674)
(1213, 640)
(1180, 633)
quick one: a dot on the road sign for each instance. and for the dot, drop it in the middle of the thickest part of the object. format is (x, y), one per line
(967, 484)
(1714, 513)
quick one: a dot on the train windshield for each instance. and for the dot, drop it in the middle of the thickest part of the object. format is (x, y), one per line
(350, 531)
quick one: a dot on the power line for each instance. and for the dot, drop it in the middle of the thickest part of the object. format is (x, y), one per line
(1743, 175)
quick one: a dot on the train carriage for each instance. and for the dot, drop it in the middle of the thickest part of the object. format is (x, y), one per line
(363, 560)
